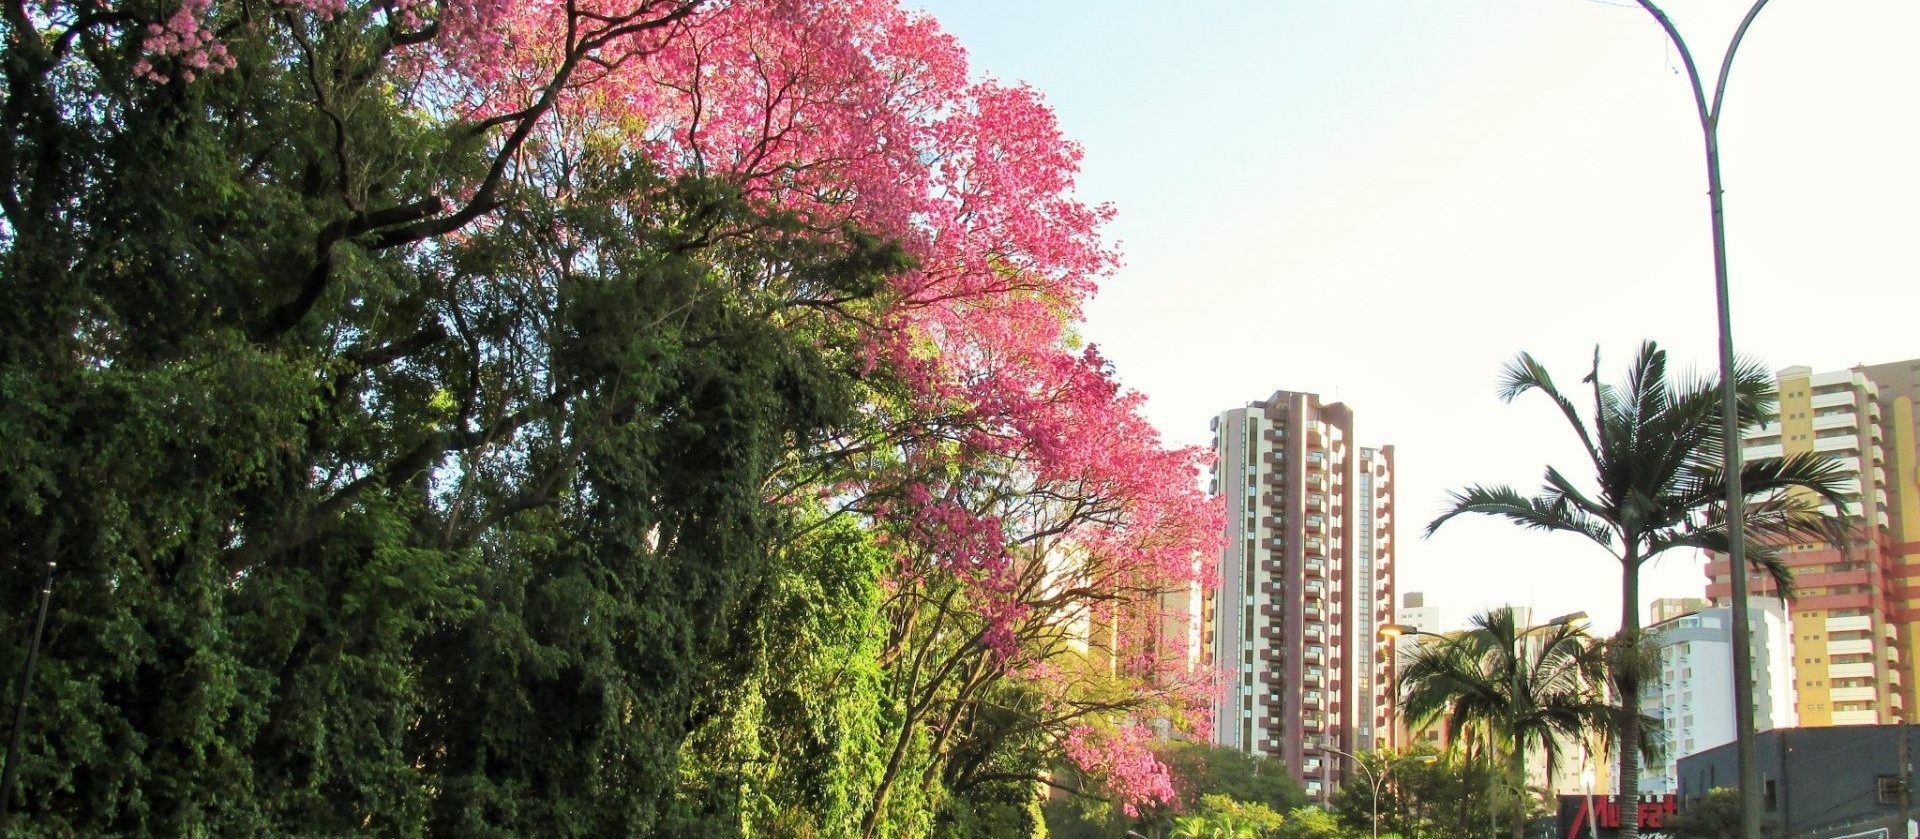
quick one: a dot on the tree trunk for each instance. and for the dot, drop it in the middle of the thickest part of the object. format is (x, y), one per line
(1626, 666)
(1517, 772)
(1466, 786)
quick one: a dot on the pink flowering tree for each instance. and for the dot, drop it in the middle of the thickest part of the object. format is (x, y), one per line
(1047, 543)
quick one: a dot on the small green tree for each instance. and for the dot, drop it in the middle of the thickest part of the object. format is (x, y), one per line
(1307, 822)
(1713, 816)
(1425, 794)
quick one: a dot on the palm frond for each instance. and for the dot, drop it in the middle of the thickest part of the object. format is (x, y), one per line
(1525, 373)
(1535, 513)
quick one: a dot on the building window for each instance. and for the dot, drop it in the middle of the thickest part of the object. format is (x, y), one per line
(1887, 789)
(1772, 797)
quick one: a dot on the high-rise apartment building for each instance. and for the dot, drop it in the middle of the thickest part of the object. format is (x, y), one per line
(1306, 579)
(1692, 691)
(1416, 612)
(1667, 608)
(1854, 616)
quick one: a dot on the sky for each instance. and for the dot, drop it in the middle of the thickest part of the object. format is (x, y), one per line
(1382, 201)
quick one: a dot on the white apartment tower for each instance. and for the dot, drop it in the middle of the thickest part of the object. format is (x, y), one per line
(1692, 694)
(1306, 579)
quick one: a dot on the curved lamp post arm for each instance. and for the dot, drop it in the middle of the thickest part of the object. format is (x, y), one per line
(1373, 781)
(1749, 771)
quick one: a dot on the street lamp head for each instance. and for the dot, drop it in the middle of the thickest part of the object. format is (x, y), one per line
(1395, 630)
(1569, 619)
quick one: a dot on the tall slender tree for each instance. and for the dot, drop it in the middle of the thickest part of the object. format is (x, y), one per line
(1659, 483)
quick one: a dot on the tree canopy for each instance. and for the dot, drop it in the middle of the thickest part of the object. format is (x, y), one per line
(564, 418)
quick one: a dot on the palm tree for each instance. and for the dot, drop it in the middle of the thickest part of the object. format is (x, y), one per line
(1530, 686)
(1660, 484)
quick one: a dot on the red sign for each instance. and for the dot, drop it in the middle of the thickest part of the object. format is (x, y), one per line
(1575, 810)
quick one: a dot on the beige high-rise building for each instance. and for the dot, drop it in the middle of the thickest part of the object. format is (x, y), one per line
(1667, 608)
(1854, 616)
(1306, 579)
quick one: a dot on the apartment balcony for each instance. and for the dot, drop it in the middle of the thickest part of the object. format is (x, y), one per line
(1314, 723)
(1275, 459)
(1851, 670)
(1855, 694)
(1317, 502)
(1852, 623)
(1316, 547)
(1832, 421)
(1273, 435)
(1272, 655)
(1833, 400)
(1860, 646)
(1272, 633)
(1269, 610)
(1315, 569)
(1316, 461)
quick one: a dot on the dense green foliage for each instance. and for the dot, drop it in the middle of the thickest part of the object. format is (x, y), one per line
(1424, 794)
(377, 518)
(1715, 815)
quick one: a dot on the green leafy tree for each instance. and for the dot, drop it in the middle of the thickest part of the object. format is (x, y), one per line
(1308, 822)
(1715, 815)
(1424, 794)
(1659, 483)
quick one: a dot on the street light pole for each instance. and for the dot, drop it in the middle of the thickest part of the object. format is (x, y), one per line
(1729, 420)
(1372, 779)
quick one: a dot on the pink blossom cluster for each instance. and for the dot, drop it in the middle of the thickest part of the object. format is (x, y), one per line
(188, 40)
(1120, 757)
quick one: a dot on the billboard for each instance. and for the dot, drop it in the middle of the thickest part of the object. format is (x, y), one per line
(1598, 816)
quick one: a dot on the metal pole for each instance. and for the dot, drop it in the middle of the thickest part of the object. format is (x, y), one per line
(1372, 779)
(20, 707)
(1729, 423)
(1906, 781)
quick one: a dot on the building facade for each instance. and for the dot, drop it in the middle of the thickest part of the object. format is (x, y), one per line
(1667, 608)
(1854, 615)
(1692, 691)
(1306, 579)
(1821, 783)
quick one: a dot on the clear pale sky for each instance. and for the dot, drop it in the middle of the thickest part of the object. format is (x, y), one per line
(1383, 200)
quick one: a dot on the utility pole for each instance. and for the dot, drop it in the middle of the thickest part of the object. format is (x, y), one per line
(1906, 779)
(20, 707)
(1730, 422)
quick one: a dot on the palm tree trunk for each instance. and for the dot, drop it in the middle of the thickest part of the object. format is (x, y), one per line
(1626, 666)
(1466, 784)
(1517, 771)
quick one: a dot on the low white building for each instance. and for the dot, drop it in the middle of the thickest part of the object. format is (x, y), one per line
(1692, 692)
